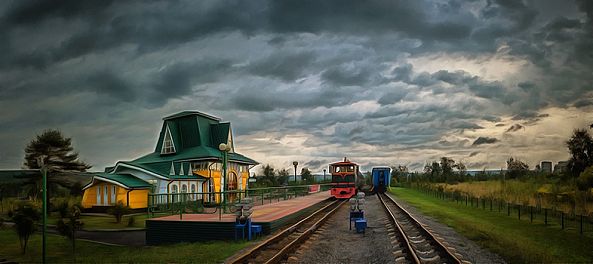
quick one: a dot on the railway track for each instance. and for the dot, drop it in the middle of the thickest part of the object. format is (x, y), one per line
(277, 247)
(416, 243)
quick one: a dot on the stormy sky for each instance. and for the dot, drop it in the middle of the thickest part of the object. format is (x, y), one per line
(381, 82)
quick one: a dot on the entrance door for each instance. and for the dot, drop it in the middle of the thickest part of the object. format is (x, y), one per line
(232, 186)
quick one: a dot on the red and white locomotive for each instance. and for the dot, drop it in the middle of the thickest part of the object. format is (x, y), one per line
(344, 174)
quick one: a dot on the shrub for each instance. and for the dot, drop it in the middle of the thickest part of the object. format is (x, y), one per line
(131, 221)
(25, 218)
(69, 228)
(118, 211)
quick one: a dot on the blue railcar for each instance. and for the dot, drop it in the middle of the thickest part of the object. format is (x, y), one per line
(381, 179)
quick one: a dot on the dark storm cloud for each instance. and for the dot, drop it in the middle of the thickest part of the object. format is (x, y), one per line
(351, 16)
(107, 27)
(484, 140)
(287, 66)
(340, 71)
(110, 83)
(515, 127)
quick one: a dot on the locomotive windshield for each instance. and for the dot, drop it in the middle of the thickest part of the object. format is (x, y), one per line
(343, 169)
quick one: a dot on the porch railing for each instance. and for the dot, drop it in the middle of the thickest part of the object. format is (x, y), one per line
(221, 202)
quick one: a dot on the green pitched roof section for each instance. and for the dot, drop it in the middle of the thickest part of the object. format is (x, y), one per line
(126, 180)
(191, 113)
(196, 136)
(220, 133)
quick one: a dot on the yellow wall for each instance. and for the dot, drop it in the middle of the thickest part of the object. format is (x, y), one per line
(138, 198)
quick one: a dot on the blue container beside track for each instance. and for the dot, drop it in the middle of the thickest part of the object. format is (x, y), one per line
(381, 179)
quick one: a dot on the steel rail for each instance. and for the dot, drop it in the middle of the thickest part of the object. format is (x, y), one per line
(301, 238)
(251, 253)
(411, 250)
(440, 246)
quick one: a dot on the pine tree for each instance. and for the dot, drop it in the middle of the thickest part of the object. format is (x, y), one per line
(57, 154)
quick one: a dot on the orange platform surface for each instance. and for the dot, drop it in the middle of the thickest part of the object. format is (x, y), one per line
(261, 213)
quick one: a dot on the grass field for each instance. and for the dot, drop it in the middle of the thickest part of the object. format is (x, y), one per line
(105, 222)
(60, 251)
(517, 241)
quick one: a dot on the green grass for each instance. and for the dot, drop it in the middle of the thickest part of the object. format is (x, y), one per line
(59, 251)
(517, 241)
(104, 222)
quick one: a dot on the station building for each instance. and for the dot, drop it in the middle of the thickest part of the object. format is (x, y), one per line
(186, 159)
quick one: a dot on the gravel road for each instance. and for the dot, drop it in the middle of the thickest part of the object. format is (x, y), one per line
(335, 243)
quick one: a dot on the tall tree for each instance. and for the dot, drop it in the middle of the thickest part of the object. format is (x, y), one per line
(269, 175)
(56, 152)
(283, 175)
(447, 165)
(580, 146)
(516, 168)
(306, 175)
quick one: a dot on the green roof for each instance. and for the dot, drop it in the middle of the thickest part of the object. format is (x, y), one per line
(127, 180)
(196, 136)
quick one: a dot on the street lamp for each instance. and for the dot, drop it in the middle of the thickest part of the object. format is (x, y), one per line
(43, 169)
(324, 174)
(224, 148)
(295, 164)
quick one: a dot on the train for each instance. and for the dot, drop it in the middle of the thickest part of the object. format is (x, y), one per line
(344, 175)
(381, 179)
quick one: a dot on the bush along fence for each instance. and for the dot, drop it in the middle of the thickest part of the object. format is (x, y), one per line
(222, 202)
(551, 217)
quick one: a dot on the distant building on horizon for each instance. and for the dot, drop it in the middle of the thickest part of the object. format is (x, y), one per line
(561, 166)
(545, 166)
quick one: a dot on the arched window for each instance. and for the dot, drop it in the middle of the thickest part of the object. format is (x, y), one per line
(174, 190)
(184, 188)
(193, 190)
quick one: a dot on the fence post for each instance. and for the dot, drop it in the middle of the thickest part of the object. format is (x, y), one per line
(483, 204)
(546, 216)
(581, 225)
(530, 214)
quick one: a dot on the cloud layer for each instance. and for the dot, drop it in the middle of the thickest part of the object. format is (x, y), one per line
(384, 82)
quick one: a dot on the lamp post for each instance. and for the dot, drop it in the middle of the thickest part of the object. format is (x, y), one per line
(224, 148)
(324, 174)
(295, 164)
(43, 168)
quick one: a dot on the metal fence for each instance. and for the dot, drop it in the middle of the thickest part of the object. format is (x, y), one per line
(551, 217)
(222, 202)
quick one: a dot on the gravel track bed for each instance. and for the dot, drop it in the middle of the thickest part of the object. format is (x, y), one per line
(470, 250)
(335, 243)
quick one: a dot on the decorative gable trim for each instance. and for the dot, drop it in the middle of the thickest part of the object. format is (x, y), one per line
(181, 171)
(172, 170)
(138, 169)
(168, 145)
(230, 141)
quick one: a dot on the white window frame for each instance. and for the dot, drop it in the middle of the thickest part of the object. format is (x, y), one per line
(99, 195)
(113, 188)
(168, 135)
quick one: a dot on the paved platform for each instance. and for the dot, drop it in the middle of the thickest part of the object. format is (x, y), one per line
(200, 227)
